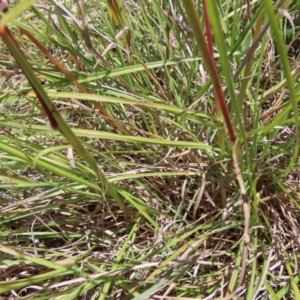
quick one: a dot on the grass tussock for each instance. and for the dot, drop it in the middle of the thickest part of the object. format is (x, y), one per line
(133, 192)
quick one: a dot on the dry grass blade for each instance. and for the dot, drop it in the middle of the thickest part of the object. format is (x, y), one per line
(246, 209)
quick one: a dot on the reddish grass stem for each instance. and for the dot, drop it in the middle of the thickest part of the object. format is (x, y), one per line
(11, 43)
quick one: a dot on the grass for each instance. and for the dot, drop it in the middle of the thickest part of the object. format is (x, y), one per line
(136, 194)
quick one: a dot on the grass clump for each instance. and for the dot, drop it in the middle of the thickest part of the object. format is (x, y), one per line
(139, 189)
